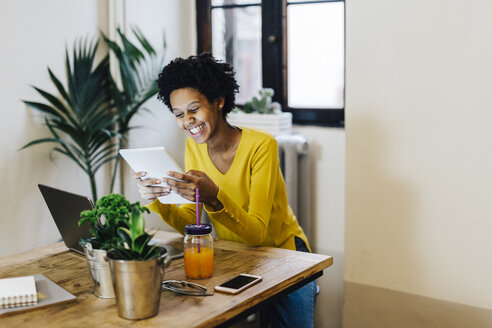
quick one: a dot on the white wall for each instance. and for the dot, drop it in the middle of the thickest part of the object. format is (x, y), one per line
(33, 36)
(327, 154)
(419, 155)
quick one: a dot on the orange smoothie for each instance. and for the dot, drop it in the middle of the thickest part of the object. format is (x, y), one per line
(199, 265)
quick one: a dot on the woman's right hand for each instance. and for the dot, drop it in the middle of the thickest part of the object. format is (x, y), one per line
(146, 188)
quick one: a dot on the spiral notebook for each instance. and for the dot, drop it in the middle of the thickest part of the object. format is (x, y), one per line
(46, 292)
(19, 291)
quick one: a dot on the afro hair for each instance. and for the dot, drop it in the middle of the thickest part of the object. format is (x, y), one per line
(203, 73)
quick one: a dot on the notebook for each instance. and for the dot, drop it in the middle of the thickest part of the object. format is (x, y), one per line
(65, 209)
(19, 291)
(48, 293)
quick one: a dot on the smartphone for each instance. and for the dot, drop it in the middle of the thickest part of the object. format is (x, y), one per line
(238, 283)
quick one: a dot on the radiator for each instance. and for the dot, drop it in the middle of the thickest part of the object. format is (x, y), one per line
(295, 165)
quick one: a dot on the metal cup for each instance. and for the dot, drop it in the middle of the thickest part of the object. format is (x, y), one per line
(100, 271)
(137, 286)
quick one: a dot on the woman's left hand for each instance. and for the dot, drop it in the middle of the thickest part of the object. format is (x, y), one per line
(192, 179)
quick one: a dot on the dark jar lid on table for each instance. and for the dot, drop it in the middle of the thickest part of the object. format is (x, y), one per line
(194, 229)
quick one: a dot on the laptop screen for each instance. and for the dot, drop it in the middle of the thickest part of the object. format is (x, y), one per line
(65, 208)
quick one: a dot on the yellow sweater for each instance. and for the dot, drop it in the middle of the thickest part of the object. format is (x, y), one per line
(253, 193)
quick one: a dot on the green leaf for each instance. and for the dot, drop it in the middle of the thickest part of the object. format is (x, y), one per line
(140, 242)
(98, 165)
(152, 252)
(71, 156)
(137, 223)
(43, 108)
(54, 101)
(112, 45)
(119, 253)
(129, 49)
(42, 140)
(143, 41)
(59, 86)
(125, 235)
(126, 231)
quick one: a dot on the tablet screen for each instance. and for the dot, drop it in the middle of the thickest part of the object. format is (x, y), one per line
(156, 161)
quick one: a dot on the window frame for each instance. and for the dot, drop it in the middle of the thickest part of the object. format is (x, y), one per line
(274, 46)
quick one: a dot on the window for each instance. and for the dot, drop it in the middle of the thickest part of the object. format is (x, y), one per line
(295, 47)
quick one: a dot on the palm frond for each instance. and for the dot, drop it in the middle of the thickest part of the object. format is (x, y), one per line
(101, 152)
(100, 164)
(43, 108)
(80, 118)
(130, 50)
(138, 69)
(70, 155)
(41, 140)
(60, 88)
(143, 41)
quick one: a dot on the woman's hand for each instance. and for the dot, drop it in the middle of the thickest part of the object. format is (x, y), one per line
(145, 188)
(192, 179)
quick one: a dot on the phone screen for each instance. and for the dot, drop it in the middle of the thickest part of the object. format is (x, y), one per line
(238, 282)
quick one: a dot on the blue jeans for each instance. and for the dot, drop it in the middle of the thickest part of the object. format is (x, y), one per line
(297, 308)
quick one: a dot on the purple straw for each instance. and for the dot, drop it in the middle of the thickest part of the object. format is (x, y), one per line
(197, 196)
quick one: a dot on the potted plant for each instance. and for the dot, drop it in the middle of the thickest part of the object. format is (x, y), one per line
(137, 268)
(110, 213)
(261, 113)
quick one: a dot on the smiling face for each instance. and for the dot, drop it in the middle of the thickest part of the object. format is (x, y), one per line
(195, 114)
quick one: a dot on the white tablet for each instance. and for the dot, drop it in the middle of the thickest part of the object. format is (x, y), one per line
(156, 161)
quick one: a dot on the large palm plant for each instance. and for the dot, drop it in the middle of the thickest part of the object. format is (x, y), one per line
(139, 64)
(80, 119)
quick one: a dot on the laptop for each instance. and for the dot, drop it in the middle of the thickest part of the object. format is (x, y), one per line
(65, 208)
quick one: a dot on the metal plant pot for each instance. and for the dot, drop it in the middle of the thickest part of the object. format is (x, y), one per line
(137, 286)
(100, 271)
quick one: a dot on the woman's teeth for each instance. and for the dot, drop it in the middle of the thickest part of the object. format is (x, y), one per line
(197, 129)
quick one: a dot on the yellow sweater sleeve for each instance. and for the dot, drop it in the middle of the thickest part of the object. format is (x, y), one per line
(251, 224)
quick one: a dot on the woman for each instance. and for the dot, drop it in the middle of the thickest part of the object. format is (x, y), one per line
(236, 170)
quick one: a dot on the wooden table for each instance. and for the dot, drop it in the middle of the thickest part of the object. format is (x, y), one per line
(282, 271)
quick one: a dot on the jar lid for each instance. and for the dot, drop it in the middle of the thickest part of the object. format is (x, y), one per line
(202, 229)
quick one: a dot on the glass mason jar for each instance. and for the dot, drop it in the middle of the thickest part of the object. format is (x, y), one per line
(198, 251)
